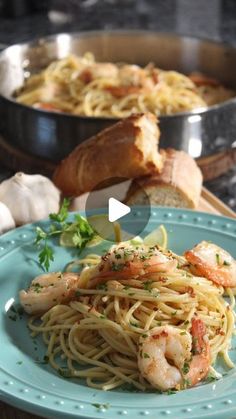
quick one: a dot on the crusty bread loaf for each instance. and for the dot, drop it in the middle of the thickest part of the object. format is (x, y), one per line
(178, 185)
(127, 149)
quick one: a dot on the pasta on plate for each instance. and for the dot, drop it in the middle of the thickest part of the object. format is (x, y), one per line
(139, 315)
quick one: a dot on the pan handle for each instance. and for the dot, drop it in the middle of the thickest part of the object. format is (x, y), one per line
(217, 164)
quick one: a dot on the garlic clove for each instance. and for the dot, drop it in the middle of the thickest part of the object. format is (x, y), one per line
(6, 219)
(30, 198)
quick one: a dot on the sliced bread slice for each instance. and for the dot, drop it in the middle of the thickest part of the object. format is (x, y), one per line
(178, 185)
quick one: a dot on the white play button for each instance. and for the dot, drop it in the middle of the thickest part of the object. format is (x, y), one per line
(104, 205)
(116, 210)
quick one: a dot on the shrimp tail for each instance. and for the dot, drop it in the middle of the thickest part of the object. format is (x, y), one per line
(198, 332)
(200, 363)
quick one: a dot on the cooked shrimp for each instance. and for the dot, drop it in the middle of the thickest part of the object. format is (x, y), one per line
(121, 91)
(212, 262)
(98, 71)
(125, 261)
(170, 357)
(202, 80)
(133, 75)
(47, 106)
(133, 80)
(162, 344)
(200, 362)
(47, 290)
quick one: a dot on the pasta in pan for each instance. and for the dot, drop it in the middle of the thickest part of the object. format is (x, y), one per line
(138, 315)
(82, 86)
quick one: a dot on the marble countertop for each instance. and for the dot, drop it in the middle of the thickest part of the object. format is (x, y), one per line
(212, 19)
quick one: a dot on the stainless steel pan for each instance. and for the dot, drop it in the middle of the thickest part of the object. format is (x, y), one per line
(54, 135)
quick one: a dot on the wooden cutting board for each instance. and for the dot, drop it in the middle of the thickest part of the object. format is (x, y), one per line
(211, 204)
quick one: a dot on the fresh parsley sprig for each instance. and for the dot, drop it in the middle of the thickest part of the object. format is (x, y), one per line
(79, 233)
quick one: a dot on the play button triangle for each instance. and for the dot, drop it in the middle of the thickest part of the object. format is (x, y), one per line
(117, 210)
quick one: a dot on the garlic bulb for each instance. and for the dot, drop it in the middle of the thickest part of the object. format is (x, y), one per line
(29, 197)
(6, 220)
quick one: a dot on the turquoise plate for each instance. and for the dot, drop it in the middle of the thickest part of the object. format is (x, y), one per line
(34, 387)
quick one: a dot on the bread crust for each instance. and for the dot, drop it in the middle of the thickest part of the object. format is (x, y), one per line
(127, 149)
(180, 172)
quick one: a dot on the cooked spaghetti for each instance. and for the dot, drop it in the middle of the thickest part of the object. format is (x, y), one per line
(82, 86)
(124, 309)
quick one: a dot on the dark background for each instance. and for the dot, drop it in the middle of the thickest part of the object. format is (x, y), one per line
(214, 19)
(23, 20)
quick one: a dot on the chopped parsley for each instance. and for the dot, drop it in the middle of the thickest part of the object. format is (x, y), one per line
(186, 382)
(169, 392)
(65, 373)
(101, 405)
(146, 265)
(217, 258)
(134, 324)
(128, 252)
(145, 355)
(77, 293)
(130, 388)
(210, 377)
(117, 267)
(186, 368)
(144, 257)
(194, 340)
(102, 287)
(37, 287)
(19, 362)
(225, 263)
(194, 348)
(147, 285)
